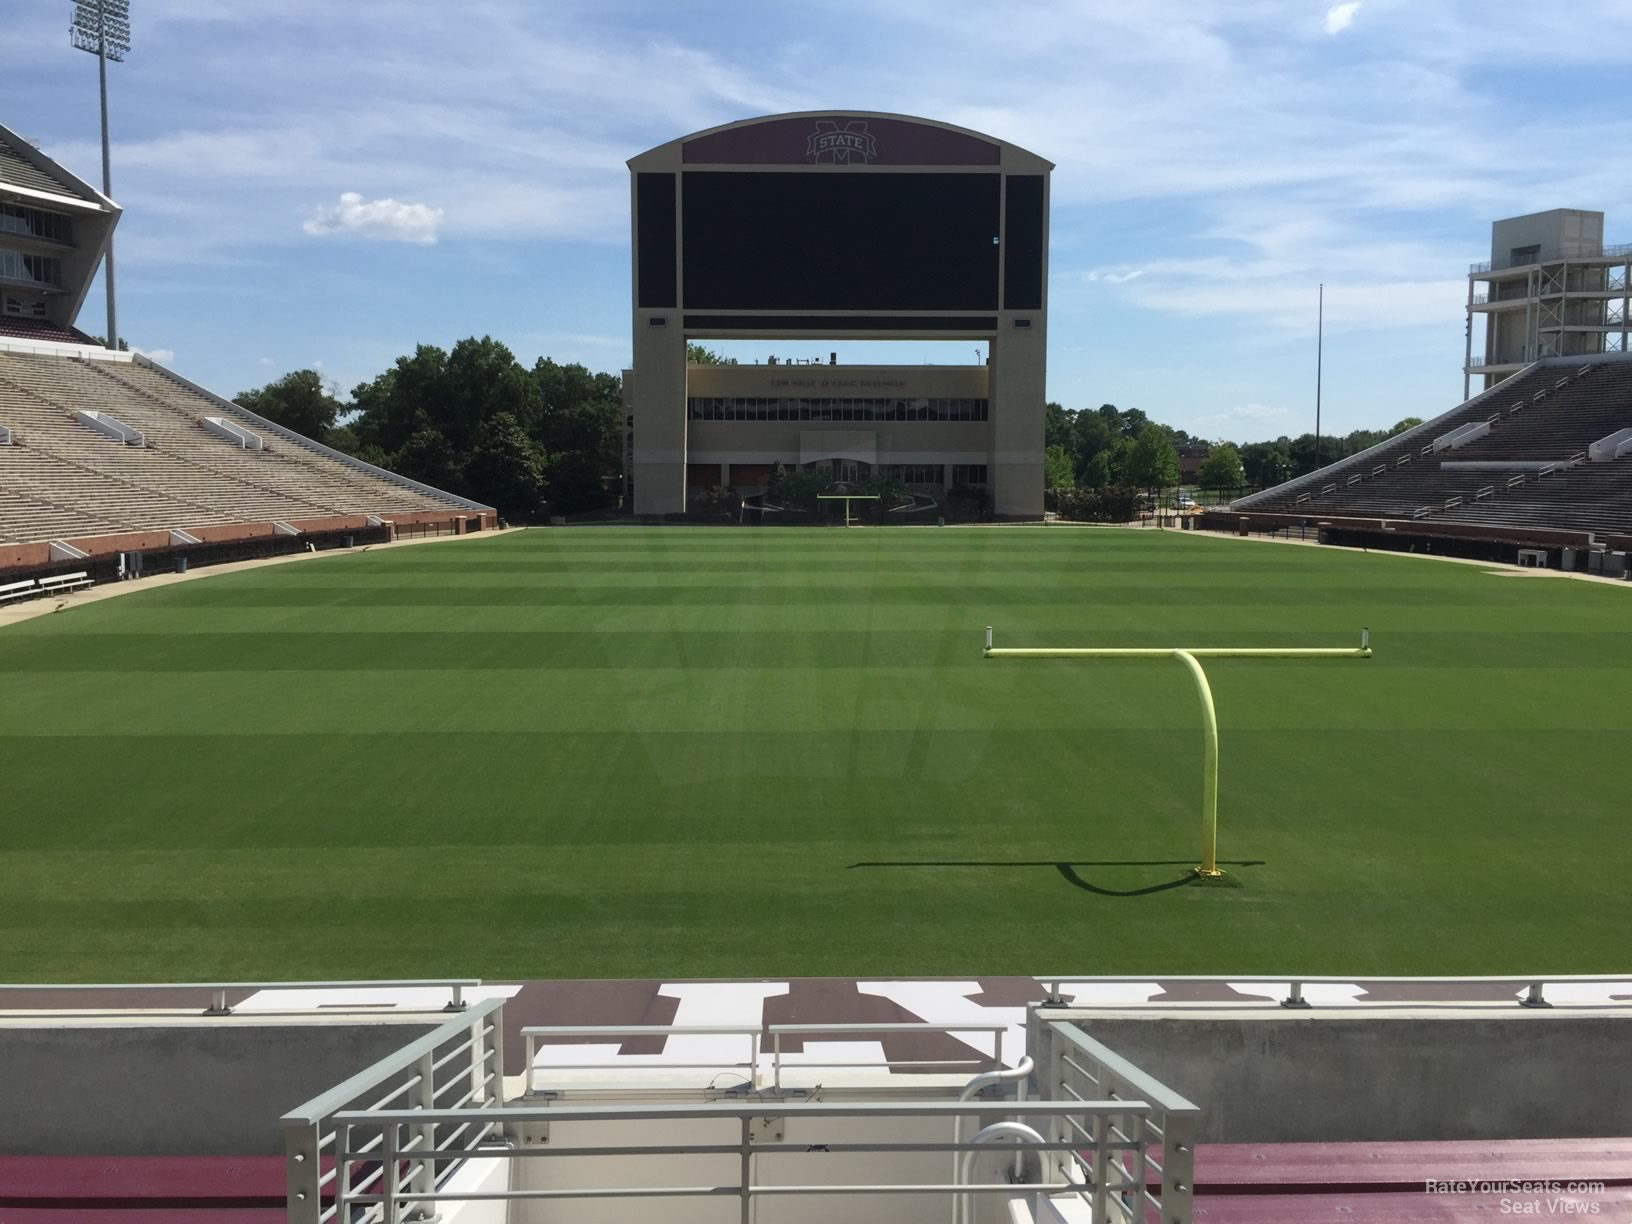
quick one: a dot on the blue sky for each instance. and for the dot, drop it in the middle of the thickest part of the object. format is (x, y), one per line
(317, 183)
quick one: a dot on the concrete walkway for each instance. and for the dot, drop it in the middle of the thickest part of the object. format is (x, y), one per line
(12, 614)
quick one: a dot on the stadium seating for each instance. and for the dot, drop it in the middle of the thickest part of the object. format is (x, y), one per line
(15, 328)
(61, 479)
(1549, 415)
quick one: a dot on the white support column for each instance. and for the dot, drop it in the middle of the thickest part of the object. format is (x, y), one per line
(1467, 355)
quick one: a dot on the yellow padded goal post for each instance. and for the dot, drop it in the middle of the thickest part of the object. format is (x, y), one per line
(1191, 657)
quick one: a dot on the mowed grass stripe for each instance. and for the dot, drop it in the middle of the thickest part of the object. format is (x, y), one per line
(693, 752)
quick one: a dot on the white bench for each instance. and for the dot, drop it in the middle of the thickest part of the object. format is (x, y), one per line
(64, 582)
(18, 590)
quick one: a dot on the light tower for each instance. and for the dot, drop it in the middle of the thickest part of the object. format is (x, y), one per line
(102, 27)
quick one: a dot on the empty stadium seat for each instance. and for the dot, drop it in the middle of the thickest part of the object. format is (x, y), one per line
(1550, 414)
(62, 479)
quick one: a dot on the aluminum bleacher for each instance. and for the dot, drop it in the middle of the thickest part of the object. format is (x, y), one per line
(1540, 425)
(62, 479)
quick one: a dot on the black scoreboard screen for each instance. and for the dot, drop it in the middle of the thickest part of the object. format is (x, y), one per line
(840, 241)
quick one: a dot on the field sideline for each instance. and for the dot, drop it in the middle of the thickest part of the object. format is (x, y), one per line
(714, 753)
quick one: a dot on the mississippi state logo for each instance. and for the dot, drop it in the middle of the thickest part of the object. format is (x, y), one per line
(841, 145)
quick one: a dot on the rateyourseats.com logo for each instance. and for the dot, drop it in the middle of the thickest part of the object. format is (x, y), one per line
(1529, 1198)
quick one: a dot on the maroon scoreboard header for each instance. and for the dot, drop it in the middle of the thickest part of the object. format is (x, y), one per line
(839, 140)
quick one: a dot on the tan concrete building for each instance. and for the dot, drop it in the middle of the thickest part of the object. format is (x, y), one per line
(825, 226)
(1553, 289)
(929, 426)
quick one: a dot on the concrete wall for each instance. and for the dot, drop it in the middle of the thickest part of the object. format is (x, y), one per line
(181, 1089)
(1558, 231)
(1334, 1077)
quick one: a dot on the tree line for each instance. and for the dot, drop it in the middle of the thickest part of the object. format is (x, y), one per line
(549, 439)
(1108, 447)
(472, 420)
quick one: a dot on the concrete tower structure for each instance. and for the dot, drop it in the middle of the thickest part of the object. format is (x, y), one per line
(1553, 289)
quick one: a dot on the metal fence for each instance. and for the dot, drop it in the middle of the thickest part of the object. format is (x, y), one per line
(756, 1038)
(1534, 987)
(1115, 1157)
(339, 1151)
(381, 1147)
(218, 991)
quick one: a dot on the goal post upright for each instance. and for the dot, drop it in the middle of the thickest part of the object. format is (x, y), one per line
(847, 498)
(1191, 657)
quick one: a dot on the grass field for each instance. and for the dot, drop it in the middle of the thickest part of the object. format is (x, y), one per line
(690, 753)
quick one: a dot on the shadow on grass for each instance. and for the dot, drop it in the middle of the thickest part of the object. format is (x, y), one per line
(1068, 871)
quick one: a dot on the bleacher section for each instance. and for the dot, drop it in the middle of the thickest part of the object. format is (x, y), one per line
(62, 479)
(1541, 423)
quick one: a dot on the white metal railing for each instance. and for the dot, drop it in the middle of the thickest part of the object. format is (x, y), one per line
(1534, 987)
(401, 1149)
(1113, 1158)
(465, 1055)
(218, 991)
(1612, 251)
(756, 1037)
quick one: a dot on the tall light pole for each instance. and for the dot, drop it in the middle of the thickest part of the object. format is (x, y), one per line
(102, 27)
(1320, 340)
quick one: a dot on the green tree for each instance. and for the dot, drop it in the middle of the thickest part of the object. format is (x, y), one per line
(1401, 426)
(1222, 468)
(506, 470)
(1153, 463)
(1059, 427)
(299, 401)
(697, 354)
(1093, 433)
(1058, 471)
(1267, 463)
(1097, 475)
(426, 456)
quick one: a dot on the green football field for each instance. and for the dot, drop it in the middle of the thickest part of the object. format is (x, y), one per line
(703, 752)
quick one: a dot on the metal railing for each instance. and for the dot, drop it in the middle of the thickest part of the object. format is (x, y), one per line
(464, 1054)
(1613, 251)
(1534, 987)
(218, 991)
(401, 1148)
(1113, 1158)
(755, 1036)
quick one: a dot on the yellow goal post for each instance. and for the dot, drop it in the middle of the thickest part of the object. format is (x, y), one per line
(1191, 657)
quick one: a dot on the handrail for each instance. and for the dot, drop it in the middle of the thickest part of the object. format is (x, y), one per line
(349, 1090)
(1146, 1085)
(1017, 1074)
(1535, 984)
(964, 1205)
(754, 1032)
(740, 1109)
(218, 990)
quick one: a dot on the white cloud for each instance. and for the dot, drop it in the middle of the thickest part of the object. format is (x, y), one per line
(1249, 412)
(163, 356)
(1341, 16)
(387, 220)
(263, 361)
(1099, 277)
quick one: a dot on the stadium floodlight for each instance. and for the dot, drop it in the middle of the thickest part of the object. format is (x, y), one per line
(102, 27)
(1190, 657)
